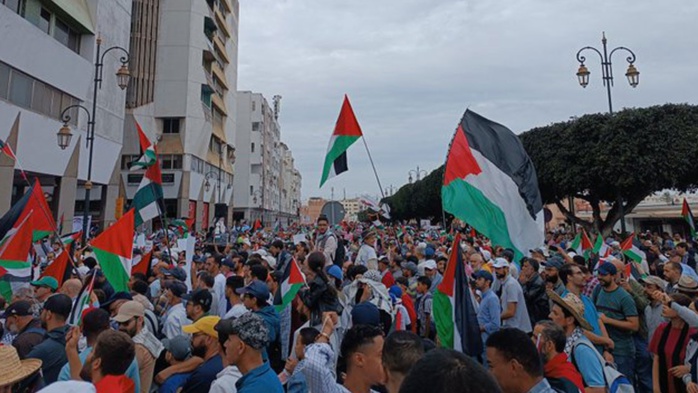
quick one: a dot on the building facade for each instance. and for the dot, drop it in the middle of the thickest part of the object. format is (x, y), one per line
(47, 56)
(183, 95)
(352, 207)
(266, 186)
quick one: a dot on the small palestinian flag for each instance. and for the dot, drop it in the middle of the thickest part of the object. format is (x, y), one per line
(60, 268)
(114, 251)
(149, 197)
(71, 238)
(82, 302)
(631, 251)
(581, 244)
(346, 132)
(687, 215)
(7, 149)
(601, 248)
(291, 283)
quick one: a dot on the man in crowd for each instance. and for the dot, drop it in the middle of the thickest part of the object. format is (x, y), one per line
(44, 287)
(20, 321)
(131, 320)
(178, 350)
(619, 314)
(514, 311)
(213, 266)
(51, 351)
(401, 350)
(232, 284)
(672, 274)
(176, 315)
(514, 362)
(205, 346)
(386, 276)
(533, 286)
(431, 271)
(552, 276)
(367, 254)
(283, 257)
(198, 304)
(653, 312)
(562, 375)
(326, 241)
(489, 312)
(255, 296)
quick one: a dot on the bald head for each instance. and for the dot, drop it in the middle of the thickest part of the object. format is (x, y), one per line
(71, 288)
(620, 266)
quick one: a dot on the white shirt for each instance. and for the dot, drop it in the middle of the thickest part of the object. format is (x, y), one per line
(174, 319)
(367, 256)
(235, 311)
(219, 288)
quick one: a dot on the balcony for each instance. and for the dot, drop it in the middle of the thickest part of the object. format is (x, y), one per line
(226, 6)
(222, 24)
(220, 75)
(219, 104)
(220, 47)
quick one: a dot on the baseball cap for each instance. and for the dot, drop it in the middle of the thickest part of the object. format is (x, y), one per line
(411, 266)
(540, 251)
(500, 262)
(607, 268)
(178, 346)
(430, 264)
(483, 274)
(176, 272)
(248, 327)
(202, 297)
(228, 262)
(177, 288)
(116, 296)
(20, 308)
(555, 262)
(255, 288)
(205, 325)
(335, 271)
(46, 281)
(365, 313)
(60, 304)
(129, 310)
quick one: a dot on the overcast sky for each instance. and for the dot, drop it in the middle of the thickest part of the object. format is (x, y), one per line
(411, 68)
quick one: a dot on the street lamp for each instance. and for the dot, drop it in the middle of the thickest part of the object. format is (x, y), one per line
(632, 74)
(64, 135)
(418, 174)
(207, 184)
(390, 189)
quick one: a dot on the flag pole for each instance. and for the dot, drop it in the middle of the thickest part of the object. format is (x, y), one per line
(380, 187)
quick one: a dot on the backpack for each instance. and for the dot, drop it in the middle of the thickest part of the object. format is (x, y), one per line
(340, 253)
(615, 381)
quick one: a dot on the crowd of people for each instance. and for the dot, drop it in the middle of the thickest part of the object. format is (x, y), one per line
(557, 320)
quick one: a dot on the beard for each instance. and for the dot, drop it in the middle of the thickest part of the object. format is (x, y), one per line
(14, 329)
(86, 370)
(131, 332)
(501, 277)
(199, 351)
(551, 279)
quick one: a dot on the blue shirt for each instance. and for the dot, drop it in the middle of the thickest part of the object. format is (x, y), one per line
(586, 359)
(200, 380)
(542, 387)
(131, 372)
(261, 379)
(488, 315)
(590, 313)
(173, 383)
(687, 270)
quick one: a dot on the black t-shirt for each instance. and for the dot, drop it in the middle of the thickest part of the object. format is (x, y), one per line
(200, 380)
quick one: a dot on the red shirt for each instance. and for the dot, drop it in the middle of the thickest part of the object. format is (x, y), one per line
(668, 351)
(409, 306)
(115, 384)
(388, 279)
(560, 367)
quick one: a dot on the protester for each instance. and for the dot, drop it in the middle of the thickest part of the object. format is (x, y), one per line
(425, 323)
(205, 346)
(232, 284)
(562, 375)
(18, 375)
(514, 311)
(291, 377)
(51, 351)
(198, 304)
(177, 350)
(401, 351)
(325, 241)
(44, 288)
(255, 296)
(26, 329)
(533, 286)
(213, 265)
(367, 253)
(176, 315)
(489, 312)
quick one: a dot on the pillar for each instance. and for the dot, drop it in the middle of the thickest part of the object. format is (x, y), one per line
(7, 168)
(67, 190)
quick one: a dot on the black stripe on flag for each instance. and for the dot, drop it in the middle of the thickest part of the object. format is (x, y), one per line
(466, 323)
(340, 164)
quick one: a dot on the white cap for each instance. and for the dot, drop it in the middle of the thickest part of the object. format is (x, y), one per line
(486, 255)
(430, 264)
(271, 261)
(500, 262)
(261, 253)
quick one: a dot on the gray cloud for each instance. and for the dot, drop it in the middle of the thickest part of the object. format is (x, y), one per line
(411, 68)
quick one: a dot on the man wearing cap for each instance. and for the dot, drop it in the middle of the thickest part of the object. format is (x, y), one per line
(255, 296)
(489, 312)
(514, 311)
(178, 349)
(44, 287)
(204, 343)
(198, 304)
(568, 313)
(51, 351)
(618, 312)
(176, 315)
(409, 271)
(20, 321)
(552, 274)
(367, 254)
(213, 265)
(653, 312)
(247, 337)
(431, 271)
(131, 320)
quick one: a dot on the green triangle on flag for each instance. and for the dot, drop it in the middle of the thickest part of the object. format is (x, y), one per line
(113, 250)
(290, 285)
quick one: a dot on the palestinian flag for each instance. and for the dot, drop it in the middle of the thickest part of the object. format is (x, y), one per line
(257, 225)
(290, 285)
(7, 149)
(71, 238)
(491, 184)
(601, 248)
(581, 244)
(147, 201)
(454, 308)
(60, 268)
(114, 251)
(14, 257)
(631, 251)
(143, 266)
(81, 302)
(687, 215)
(346, 132)
(41, 220)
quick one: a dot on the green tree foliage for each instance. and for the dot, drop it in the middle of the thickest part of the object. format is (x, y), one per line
(596, 157)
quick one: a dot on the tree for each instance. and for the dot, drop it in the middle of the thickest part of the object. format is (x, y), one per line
(612, 158)
(599, 158)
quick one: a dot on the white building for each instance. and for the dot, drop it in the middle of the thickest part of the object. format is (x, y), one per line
(352, 208)
(183, 94)
(47, 56)
(262, 189)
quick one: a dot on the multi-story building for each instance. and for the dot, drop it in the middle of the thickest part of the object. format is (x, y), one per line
(261, 188)
(352, 208)
(312, 210)
(47, 57)
(183, 94)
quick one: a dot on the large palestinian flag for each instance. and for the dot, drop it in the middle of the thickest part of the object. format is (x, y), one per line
(346, 132)
(33, 203)
(114, 251)
(148, 198)
(15, 264)
(491, 184)
(454, 308)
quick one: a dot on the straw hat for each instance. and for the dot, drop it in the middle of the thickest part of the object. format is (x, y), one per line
(573, 304)
(13, 370)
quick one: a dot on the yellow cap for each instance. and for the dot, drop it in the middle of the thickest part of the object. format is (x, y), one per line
(205, 325)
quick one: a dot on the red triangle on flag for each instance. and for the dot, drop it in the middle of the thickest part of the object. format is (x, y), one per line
(449, 277)
(627, 244)
(57, 268)
(18, 246)
(41, 220)
(295, 276)
(154, 173)
(347, 125)
(143, 265)
(118, 238)
(586, 242)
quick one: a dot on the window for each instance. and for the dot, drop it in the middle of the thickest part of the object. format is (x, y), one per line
(67, 36)
(126, 159)
(254, 106)
(44, 21)
(206, 92)
(15, 5)
(217, 118)
(21, 89)
(255, 126)
(171, 161)
(216, 146)
(4, 80)
(170, 125)
(252, 148)
(251, 190)
(41, 100)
